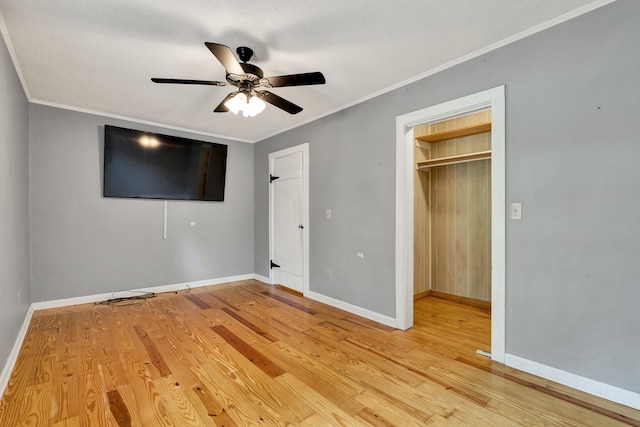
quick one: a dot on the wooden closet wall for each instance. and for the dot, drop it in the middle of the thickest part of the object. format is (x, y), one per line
(452, 216)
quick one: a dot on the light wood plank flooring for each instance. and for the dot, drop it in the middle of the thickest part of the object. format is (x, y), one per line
(245, 353)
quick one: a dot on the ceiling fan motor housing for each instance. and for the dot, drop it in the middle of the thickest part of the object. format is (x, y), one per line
(251, 73)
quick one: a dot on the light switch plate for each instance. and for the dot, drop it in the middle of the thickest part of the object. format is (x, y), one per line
(516, 210)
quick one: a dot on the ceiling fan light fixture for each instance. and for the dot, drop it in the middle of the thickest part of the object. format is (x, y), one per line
(250, 107)
(236, 103)
(254, 107)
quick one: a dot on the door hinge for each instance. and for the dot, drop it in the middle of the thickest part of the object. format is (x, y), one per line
(273, 178)
(273, 264)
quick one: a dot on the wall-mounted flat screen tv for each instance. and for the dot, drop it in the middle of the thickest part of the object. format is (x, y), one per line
(146, 165)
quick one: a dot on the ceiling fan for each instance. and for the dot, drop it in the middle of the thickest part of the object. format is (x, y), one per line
(247, 77)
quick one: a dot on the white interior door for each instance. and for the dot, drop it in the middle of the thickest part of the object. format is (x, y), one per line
(288, 219)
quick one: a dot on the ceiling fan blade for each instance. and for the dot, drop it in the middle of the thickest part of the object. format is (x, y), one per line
(221, 108)
(316, 78)
(189, 82)
(226, 58)
(279, 102)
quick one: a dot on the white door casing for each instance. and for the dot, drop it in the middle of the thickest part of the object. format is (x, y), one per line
(495, 100)
(288, 217)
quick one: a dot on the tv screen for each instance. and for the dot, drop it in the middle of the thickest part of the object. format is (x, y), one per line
(146, 165)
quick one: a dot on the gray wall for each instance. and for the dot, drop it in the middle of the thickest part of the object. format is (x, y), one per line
(84, 244)
(573, 140)
(14, 205)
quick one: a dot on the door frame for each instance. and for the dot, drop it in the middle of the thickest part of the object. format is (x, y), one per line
(304, 149)
(495, 100)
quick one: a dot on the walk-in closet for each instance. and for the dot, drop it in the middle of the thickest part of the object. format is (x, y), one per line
(452, 217)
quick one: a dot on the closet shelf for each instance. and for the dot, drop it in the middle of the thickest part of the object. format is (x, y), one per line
(452, 160)
(457, 133)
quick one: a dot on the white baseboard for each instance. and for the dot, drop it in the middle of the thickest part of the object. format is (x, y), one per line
(157, 289)
(362, 312)
(262, 279)
(596, 388)
(13, 355)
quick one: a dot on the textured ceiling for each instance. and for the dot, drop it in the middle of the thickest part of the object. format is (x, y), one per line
(99, 55)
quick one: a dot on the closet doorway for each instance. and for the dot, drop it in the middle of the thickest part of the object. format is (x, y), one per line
(409, 180)
(452, 210)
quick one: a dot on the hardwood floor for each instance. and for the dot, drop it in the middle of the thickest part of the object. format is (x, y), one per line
(245, 353)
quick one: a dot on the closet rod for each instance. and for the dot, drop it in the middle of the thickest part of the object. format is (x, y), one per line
(451, 160)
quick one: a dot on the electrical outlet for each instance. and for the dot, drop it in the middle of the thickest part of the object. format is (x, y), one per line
(18, 296)
(205, 260)
(327, 214)
(327, 272)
